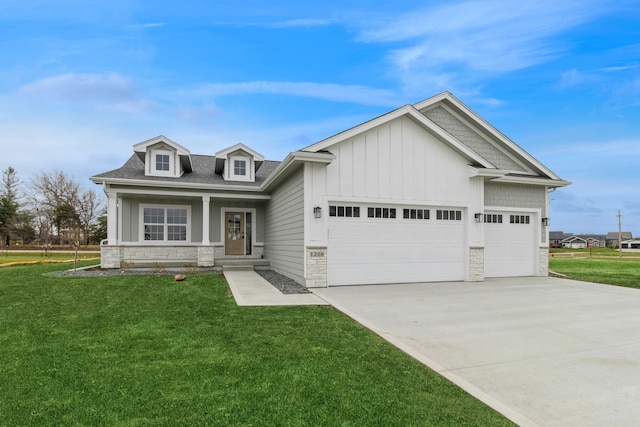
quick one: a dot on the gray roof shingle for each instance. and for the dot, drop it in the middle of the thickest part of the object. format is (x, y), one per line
(203, 172)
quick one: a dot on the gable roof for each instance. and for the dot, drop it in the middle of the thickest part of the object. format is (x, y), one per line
(222, 155)
(481, 125)
(185, 156)
(539, 174)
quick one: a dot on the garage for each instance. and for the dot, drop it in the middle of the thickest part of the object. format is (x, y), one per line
(394, 244)
(510, 244)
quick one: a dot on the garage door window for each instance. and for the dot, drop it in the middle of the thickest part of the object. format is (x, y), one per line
(446, 215)
(381, 212)
(344, 211)
(493, 218)
(416, 213)
(519, 219)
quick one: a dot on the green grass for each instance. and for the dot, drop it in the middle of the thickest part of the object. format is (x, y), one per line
(148, 351)
(12, 257)
(621, 272)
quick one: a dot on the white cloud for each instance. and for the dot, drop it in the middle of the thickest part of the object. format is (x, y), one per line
(440, 45)
(327, 91)
(111, 91)
(145, 26)
(302, 23)
(189, 112)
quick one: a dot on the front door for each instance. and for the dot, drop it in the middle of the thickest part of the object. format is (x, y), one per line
(234, 236)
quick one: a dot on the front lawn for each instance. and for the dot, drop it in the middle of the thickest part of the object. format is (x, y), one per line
(145, 350)
(622, 272)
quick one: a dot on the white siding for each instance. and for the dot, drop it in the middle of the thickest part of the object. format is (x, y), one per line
(398, 161)
(284, 228)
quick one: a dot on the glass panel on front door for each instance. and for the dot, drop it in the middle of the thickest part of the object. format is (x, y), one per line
(235, 233)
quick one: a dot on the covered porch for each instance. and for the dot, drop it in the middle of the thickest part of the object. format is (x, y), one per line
(151, 228)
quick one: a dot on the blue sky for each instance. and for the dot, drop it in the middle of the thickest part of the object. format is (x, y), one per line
(82, 81)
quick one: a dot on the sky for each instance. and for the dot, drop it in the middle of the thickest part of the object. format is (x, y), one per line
(82, 81)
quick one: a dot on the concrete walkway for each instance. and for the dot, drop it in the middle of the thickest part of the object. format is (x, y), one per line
(250, 289)
(542, 351)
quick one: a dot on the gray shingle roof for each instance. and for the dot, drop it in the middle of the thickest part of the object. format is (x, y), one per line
(203, 172)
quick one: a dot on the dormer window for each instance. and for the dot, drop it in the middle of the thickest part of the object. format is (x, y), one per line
(240, 167)
(238, 163)
(162, 162)
(163, 157)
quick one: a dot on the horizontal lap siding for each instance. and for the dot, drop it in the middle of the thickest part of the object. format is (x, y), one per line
(284, 228)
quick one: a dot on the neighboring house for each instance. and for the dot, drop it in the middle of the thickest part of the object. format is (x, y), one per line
(427, 192)
(584, 241)
(631, 244)
(556, 238)
(612, 238)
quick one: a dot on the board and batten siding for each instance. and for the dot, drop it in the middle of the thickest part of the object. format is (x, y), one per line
(284, 228)
(398, 161)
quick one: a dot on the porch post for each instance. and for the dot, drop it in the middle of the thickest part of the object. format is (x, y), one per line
(112, 218)
(205, 219)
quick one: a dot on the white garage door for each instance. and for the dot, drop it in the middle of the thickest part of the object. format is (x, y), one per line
(509, 248)
(389, 248)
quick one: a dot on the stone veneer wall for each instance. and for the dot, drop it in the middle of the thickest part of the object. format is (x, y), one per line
(543, 269)
(160, 254)
(110, 256)
(316, 257)
(205, 256)
(476, 264)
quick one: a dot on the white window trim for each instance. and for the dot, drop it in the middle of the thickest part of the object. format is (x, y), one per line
(151, 167)
(248, 177)
(165, 241)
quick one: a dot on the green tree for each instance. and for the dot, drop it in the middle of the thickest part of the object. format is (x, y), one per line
(9, 203)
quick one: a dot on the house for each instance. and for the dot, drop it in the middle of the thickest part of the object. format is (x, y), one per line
(612, 238)
(582, 241)
(556, 238)
(427, 192)
(631, 244)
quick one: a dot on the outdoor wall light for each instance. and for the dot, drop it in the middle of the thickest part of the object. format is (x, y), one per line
(545, 222)
(478, 217)
(317, 212)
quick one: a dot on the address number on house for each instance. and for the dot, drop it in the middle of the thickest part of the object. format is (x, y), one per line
(316, 254)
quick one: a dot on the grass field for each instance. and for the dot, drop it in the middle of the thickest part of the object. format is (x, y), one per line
(611, 270)
(148, 351)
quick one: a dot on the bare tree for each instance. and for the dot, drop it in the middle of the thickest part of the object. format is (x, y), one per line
(54, 198)
(89, 210)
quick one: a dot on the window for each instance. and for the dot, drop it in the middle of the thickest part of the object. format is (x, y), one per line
(493, 218)
(448, 215)
(165, 223)
(240, 167)
(344, 211)
(162, 162)
(519, 219)
(380, 212)
(416, 213)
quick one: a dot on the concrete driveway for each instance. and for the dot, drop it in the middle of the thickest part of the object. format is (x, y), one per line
(542, 351)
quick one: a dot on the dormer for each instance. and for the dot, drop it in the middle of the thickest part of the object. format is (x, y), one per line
(238, 163)
(163, 157)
